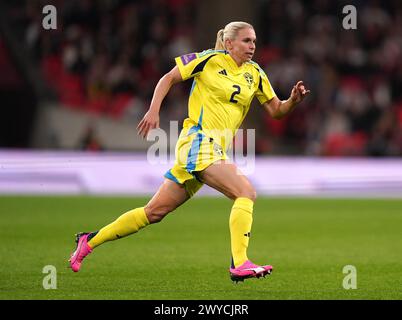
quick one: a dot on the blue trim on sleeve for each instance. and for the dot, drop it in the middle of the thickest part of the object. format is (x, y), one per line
(210, 51)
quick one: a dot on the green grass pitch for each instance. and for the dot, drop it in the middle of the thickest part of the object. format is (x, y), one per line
(186, 256)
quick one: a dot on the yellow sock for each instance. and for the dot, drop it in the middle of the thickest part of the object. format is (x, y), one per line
(241, 219)
(128, 223)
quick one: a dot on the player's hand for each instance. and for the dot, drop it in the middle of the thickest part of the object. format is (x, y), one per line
(299, 92)
(149, 122)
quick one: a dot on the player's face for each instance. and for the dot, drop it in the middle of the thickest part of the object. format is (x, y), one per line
(243, 46)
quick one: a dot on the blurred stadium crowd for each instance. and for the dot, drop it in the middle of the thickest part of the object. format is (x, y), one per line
(355, 75)
(107, 57)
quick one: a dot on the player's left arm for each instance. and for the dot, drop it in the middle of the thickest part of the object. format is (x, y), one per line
(277, 109)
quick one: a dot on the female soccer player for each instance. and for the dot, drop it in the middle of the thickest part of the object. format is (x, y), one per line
(225, 81)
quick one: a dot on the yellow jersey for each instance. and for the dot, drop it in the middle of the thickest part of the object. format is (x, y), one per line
(221, 93)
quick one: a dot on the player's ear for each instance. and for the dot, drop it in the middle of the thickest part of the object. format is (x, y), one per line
(228, 44)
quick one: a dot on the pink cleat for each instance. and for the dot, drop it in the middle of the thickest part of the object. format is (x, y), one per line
(249, 270)
(81, 251)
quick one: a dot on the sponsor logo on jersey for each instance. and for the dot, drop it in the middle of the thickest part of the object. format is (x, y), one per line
(223, 71)
(187, 58)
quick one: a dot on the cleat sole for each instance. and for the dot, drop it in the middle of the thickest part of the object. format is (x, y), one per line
(263, 274)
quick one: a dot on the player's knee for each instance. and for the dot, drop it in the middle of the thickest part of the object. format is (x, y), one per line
(252, 195)
(156, 213)
(249, 193)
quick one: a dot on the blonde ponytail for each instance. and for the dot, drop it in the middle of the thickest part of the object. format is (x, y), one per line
(220, 44)
(229, 32)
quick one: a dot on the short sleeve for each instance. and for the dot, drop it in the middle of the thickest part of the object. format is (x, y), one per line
(265, 92)
(191, 64)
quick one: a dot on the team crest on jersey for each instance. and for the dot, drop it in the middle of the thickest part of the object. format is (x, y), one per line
(249, 78)
(218, 149)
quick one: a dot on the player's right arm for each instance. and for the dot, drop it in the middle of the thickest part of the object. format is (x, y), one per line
(187, 66)
(151, 118)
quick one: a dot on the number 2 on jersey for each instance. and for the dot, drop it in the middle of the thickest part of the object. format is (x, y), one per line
(232, 99)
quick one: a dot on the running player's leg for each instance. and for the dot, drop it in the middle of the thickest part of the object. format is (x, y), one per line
(169, 196)
(226, 178)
